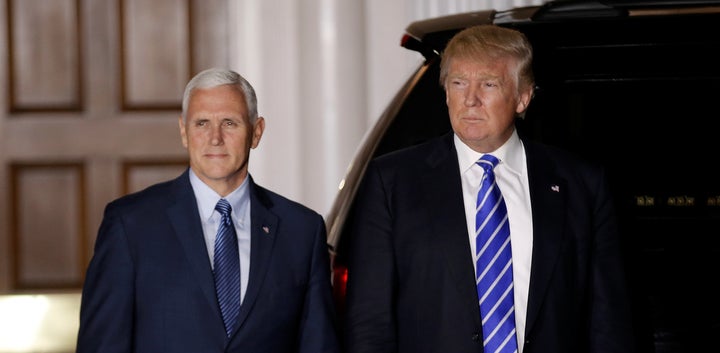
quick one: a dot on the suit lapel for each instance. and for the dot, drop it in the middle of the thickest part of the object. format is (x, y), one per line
(183, 215)
(548, 195)
(441, 185)
(263, 234)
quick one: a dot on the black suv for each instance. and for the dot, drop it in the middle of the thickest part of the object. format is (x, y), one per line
(631, 84)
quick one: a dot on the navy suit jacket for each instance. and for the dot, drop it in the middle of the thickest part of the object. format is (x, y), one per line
(149, 287)
(411, 283)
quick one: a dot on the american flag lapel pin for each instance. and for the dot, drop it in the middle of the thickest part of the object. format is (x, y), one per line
(266, 229)
(555, 188)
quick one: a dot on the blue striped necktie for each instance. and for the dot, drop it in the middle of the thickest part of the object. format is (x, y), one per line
(227, 267)
(494, 264)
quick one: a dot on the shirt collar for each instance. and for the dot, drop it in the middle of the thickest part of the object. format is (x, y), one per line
(510, 154)
(207, 198)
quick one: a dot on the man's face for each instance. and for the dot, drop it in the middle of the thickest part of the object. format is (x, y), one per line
(483, 99)
(218, 136)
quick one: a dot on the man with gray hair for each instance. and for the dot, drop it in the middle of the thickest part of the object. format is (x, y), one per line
(210, 261)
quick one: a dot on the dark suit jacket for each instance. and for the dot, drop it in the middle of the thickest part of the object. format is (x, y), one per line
(150, 289)
(411, 282)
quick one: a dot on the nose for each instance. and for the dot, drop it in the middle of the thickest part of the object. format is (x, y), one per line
(216, 135)
(471, 96)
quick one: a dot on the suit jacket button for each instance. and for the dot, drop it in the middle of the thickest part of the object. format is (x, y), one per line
(476, 337)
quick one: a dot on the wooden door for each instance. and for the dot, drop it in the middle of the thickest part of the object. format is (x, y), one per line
(91, 93)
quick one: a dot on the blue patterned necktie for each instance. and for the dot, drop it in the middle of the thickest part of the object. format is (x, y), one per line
(227, 268)
(494, 264)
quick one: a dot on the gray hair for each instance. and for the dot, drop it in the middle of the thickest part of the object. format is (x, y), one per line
(215, 77)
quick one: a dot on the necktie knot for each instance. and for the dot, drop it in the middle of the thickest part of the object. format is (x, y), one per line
(488, 162)
(223, 207)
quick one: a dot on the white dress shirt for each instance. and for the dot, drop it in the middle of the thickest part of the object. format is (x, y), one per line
(511, 176)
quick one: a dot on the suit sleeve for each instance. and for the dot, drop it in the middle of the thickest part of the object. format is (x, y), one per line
(370, 324)
(107, 298)
(318, 327)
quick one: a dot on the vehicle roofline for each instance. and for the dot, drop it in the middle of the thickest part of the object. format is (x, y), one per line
(416, 32)
(420, 29)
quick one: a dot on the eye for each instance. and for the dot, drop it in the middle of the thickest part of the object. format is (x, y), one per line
(458, 83)
(201, 122)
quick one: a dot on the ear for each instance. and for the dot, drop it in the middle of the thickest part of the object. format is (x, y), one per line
(257, 131)
(183, 132)
(524, 100)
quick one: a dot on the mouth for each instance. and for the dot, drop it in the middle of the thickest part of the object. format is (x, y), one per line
(215, 155)
(472, 119)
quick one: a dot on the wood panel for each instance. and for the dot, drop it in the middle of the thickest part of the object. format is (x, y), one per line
(44, 64)
(138, 175)
(48, 233)
(210, 37)
(156, 53)
(89, 115)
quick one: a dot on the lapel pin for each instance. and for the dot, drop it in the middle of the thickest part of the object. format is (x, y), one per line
(266, 229)
(555, 188)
